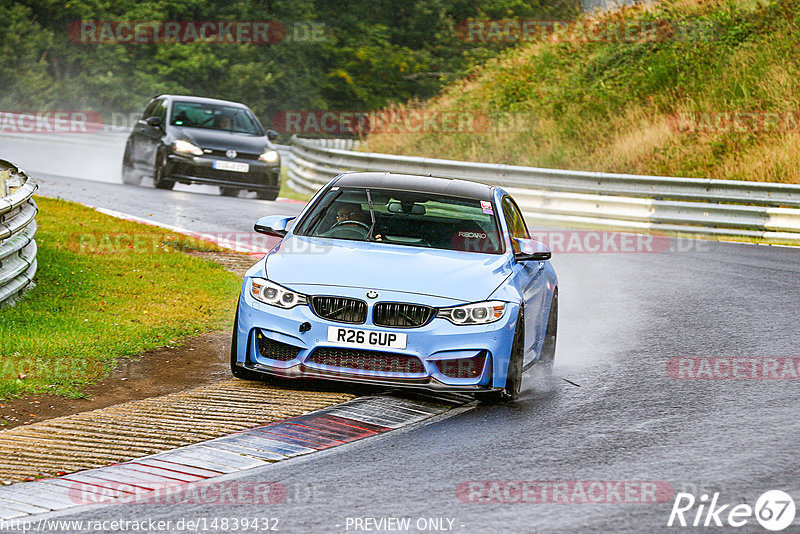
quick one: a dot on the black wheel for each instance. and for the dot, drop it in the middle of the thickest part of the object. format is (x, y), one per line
(266, 195)
(228, 191)
(129, 174)
(159, 177)
(548, 356)
(236, 370)
(514, 376)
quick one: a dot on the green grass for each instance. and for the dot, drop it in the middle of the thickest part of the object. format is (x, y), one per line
(288, 192)
(105, 289)
(610, 106)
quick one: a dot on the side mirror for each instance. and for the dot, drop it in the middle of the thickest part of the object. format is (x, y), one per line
(530, 250)
(272, 135)
(274, 225)
(155, 122)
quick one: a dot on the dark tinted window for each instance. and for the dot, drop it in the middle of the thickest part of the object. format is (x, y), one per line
(214, 117)
(514, 221)
(160, 110)
(405, 218)
(149, 110)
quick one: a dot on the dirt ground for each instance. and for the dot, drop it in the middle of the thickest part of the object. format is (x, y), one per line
(200, 360)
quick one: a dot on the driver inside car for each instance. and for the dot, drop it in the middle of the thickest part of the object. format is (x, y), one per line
(350, 213)
(351, 216)
(223, 122)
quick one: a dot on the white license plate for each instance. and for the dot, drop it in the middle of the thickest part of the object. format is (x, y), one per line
(353, 337)
(230, 166)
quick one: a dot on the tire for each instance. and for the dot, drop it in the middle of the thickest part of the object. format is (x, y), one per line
(548, 356)
(159, 179)
(266, 195)
(228, 191)
(514, 375)
(236, 370)
(128, 173)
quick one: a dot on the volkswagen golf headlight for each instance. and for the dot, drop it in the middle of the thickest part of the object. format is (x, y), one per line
(477, 313)
(273, 294)
(185, 147)
(270, 156)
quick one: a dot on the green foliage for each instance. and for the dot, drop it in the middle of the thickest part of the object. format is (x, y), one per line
(97, 299)
(374, 53)
(607, 105)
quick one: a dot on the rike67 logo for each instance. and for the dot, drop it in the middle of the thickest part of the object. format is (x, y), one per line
(774, 510)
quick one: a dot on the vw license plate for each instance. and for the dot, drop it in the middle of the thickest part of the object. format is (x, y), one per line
(353, 337)
(235, 166)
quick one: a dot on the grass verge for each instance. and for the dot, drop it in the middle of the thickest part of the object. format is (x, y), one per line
(105, 289)
(288, 192)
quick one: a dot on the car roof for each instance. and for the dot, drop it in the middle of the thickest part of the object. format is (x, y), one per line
(416, 183)
(202, 100)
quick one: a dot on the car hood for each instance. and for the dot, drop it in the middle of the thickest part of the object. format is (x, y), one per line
(222, 140)
(303, 261)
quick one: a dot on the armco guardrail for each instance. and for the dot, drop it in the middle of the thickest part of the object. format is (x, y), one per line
(691, 206)
(17, 228)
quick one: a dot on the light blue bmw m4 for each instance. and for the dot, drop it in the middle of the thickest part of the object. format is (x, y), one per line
(400, 280)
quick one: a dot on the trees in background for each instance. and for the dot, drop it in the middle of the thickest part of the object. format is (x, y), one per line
(349, 54)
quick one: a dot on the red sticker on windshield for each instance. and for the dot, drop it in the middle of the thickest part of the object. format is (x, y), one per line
(487, 207)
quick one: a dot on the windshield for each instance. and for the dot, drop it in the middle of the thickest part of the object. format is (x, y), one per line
(214, 117)
(405, 218)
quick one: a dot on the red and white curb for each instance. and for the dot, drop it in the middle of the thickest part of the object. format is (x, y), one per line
(177, 471)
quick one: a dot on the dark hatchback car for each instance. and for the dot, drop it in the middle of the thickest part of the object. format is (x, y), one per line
(191, 139)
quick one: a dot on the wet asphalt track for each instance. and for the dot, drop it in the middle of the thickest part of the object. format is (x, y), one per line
(622, 317)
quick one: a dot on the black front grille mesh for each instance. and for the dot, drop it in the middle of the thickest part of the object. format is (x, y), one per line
(275, 350)
(199, 171)
(239, 155)
(463, 367)
(340, 309)
(401, 315)
(367, 360)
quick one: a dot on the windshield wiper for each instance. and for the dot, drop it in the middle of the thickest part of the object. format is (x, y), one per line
(372, 217)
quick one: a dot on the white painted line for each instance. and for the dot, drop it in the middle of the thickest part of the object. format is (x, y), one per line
(219, 241)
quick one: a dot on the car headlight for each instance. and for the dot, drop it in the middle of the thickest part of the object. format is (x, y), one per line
(271, 293)
(185, 147)
(477, 313)
(270, 156)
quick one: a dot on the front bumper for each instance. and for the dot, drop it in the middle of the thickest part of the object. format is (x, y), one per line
(200, 169)
(432, 345)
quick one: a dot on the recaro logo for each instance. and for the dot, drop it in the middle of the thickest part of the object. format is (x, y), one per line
(774, 510)
(472, 234)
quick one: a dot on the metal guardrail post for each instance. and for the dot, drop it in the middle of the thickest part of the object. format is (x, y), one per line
(17, 229)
